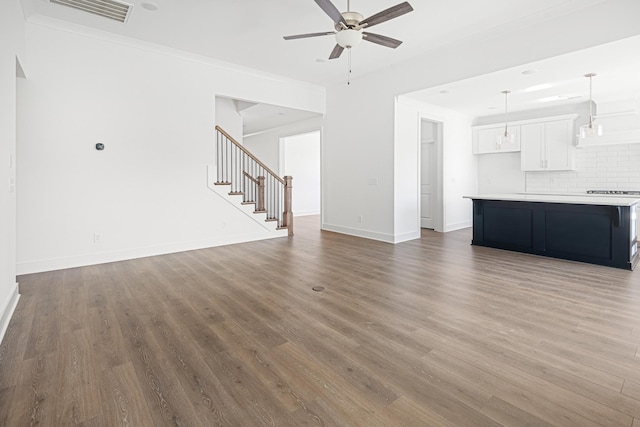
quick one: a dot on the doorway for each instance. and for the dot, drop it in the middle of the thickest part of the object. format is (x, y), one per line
(430, 132)
(300, 158)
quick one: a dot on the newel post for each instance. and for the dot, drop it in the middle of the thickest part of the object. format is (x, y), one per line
(260, 205)
(288, 214)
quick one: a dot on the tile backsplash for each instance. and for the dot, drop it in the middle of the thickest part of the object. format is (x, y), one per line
(613, 167)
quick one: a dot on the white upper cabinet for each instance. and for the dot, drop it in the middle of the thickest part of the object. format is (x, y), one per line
(545, 144)
(548, 146)
(485, 139)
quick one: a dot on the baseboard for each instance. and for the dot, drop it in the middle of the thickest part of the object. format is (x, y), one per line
(405, 237)
(7, 311)
(38, 266)
(458, 226)
(388, 238)
(306, 213)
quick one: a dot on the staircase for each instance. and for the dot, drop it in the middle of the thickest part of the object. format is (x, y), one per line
(251, 186)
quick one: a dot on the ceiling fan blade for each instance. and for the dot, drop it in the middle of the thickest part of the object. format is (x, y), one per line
(336, 52)
(304, 36)
(385, 15)
(381, 40)
(331, 10)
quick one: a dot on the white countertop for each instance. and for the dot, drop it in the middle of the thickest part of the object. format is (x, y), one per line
(574, 199)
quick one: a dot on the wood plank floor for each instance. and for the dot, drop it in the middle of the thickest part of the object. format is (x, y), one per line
(432, 332)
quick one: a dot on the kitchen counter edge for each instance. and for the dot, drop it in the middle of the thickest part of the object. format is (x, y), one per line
(559, 198)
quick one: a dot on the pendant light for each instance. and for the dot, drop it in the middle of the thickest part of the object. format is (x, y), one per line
(592, 128)
(506, 137)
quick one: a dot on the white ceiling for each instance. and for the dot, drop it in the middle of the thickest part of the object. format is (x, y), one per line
(258, 118)
(616, 64)
(249, 33)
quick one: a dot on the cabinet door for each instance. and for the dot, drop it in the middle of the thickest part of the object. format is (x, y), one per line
(559, 145)
(532, 153)
(487, 140)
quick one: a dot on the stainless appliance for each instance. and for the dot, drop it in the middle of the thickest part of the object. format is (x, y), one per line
(615, 192)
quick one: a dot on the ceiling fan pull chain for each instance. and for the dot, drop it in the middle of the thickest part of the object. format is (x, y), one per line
(349, 73)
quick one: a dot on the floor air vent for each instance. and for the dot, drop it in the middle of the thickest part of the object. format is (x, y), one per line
(106, 8)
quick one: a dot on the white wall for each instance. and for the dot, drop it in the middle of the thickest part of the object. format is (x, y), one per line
(266, 145)
(146, 193)
(301, 158)
(500, 173)
(12, 46)
(459, 171)
(359, 139)
(357, 162)
(407, 137)
(228, 117)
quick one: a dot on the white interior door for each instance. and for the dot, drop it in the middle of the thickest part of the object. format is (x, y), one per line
(427, 175)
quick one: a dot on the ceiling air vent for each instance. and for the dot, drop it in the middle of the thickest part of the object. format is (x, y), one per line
(106, 8)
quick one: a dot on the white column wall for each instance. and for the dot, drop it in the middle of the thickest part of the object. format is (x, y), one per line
(12, 46)
(357, 167)
(146, 193)
(406, 200)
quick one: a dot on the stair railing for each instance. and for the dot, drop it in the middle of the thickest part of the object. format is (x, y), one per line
(249, 177)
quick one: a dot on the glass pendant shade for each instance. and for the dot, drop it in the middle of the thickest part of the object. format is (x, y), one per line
(592, 128)
(505, 138)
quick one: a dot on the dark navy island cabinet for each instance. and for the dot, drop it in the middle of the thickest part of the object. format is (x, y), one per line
(598, 234)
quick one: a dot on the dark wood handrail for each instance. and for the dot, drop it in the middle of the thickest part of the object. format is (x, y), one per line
(245, 151)
(285, 217)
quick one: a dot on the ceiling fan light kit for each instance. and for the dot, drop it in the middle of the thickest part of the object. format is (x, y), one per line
(349, 27)
(348, 38)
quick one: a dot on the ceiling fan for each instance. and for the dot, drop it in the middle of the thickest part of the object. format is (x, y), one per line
(349, 26)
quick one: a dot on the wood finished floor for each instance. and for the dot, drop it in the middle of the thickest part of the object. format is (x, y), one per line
(432, 332)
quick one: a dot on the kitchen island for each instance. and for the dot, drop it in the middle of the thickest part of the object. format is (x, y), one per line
(593, 229)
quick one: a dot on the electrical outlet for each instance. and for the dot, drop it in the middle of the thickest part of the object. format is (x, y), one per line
(97, 238)
(223, 224)
(359, 218)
